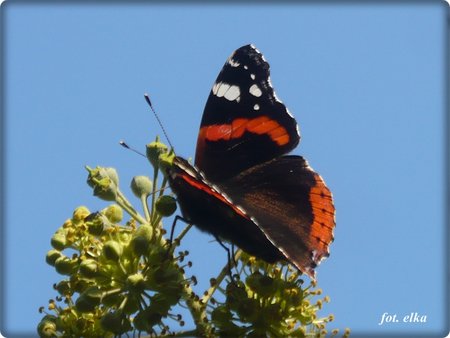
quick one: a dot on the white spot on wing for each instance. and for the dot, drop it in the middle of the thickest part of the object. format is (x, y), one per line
(223, 87)
(215, 88)
(245, 67)
(252, 76)
(256, 107)
(230, 92)
(255, 90)
(233, 93)
(233, 63)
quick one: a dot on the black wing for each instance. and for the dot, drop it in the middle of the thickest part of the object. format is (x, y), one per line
(244, 123)
(291, 204)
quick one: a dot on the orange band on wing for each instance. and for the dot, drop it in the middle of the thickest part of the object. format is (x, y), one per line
(323, 217)
(201, 186)
(259, 125)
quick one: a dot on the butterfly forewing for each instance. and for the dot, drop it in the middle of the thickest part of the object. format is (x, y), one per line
(244, 123)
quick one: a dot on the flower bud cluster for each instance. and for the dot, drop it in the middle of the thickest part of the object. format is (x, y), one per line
(120, 278)
(269, 302)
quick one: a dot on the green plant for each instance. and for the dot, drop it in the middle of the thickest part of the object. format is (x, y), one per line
(122, 276)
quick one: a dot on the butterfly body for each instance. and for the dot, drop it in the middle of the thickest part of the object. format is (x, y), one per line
(244, 188)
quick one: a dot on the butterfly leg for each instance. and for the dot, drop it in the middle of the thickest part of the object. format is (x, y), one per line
(172, 230)
(231, 262)
(233, 254)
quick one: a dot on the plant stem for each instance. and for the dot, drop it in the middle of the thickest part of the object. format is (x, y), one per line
(123, 202)
(184, 232)
(163, 186)
(145, 207)
(155, 184)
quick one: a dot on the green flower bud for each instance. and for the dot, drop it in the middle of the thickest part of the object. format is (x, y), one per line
(166, 205)
(89, 268)
(112, 250)
(221, 315)
(102, 172)
(67, 224)
(104, 181)
(47, 327)
(65, 265)
(112, 174)
(172, 292)
(265, 286)
(52, 256)
(114, 213)
(136, 282)
(150, 317)
(141, 186)
(80, 285)
(142, 239)
(59, 241)
(106, 190)
(89, 299)
(248, 310)
(223, 319)
(168, 275)
(64, 288)
(95, 223)
(141, 323)
(113, 300)
(235, 294)
(166, 161)
(160, 304)
(80, 214)
(111, 321)
(115, 322)
(154, 150)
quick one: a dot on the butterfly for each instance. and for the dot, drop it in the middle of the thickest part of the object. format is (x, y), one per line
(244, 188)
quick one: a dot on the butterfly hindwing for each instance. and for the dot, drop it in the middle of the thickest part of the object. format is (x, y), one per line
(244, 123)
(291, 204)
(206, 206)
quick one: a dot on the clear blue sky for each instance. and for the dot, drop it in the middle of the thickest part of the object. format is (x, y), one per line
(365, 82)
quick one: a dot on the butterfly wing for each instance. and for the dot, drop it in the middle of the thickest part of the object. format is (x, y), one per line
(244, 123)
(291, 204)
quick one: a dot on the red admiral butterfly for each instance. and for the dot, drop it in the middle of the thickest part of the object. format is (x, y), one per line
(243, 188)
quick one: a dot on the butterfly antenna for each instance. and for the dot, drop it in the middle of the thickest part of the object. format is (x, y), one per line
(147, 98)
(123, 144)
